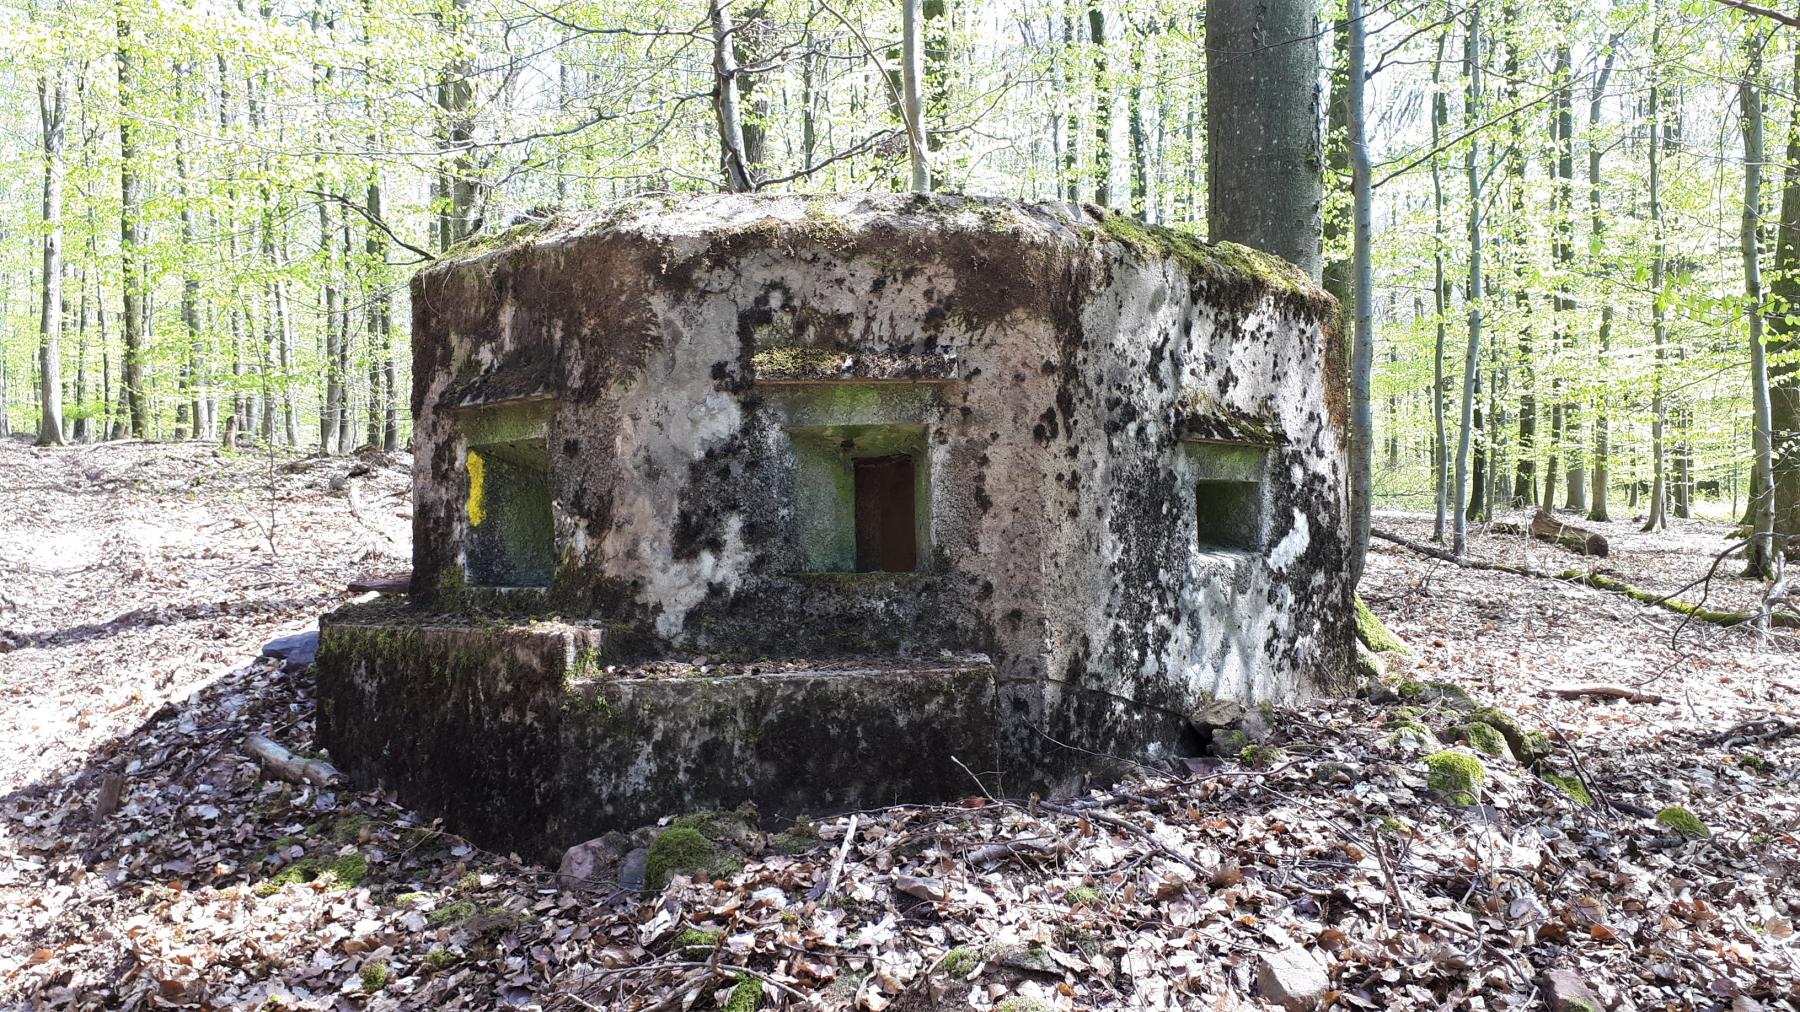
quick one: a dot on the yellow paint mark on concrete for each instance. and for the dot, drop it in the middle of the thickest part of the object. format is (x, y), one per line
(477, 507)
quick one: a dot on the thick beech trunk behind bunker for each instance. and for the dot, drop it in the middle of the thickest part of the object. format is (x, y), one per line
(886, 535)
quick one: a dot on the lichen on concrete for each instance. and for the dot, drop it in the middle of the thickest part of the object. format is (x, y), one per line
(685, 390)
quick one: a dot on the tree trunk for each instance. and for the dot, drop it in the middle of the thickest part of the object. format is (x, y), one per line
(912, 98)
(1440, 293)
(735, 166)
(1783, 337)
(1472, 355)
(456, 180)
(53, 116)
(1764, 557)
(1524, 489)
(137, 402)
(1602, 473)
(1337, 274)
(1658, 325)
(1362, 353)
(1262, 115)
(1103, 103)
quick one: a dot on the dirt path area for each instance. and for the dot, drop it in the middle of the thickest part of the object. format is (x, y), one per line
(147, 861)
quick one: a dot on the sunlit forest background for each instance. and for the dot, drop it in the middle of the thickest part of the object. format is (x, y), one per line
(237, 194)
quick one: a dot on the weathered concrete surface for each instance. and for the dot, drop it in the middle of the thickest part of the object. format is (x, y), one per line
(520, 740)
(1128, 446)
(829, 740)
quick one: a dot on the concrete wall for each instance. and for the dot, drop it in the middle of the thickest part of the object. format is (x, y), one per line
(1058, 367)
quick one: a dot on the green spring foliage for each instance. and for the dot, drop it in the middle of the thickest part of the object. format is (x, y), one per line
(1683, 822)
(1457, 774)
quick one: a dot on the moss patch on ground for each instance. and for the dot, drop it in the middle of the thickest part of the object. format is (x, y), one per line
(1683, 822)
(450, 915)
(746, 996)
(1456, 774)
(1482, 738)
(1573, 787)
(959, 961)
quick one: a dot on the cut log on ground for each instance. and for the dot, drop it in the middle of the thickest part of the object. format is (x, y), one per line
(387, 586)
(287, 766)
(1579, 540)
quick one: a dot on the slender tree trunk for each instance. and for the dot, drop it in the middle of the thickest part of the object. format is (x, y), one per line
(53, 116)
(131, 253)
(333, 401)
(1262, 121)
(1472, 356)
(912, 93)
(1764, 557)
(1783, 338)
(1524, 489)
(1599, 485)
(1103, 108)
(1139, 133)
(456, 177)
(83, 429)
(1362, 353)
(1440, 293)
(1658, 266)
(1337, 274)
(725, 103)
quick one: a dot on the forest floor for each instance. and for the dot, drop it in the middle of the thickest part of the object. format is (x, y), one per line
(145, 861)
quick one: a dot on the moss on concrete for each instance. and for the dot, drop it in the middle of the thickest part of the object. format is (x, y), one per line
(1240, 274)
(1456, 774)
(796, 363)
(1683, 822)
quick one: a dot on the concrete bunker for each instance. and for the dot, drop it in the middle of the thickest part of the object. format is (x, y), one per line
(822, 502)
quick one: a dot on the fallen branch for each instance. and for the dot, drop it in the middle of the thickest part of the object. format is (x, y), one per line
(1725, 618)
(1596, 581)
(288, 766)
(1466, 563)
(1630, 695)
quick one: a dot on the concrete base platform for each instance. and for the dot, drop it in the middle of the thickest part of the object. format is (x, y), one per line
(524, 739)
